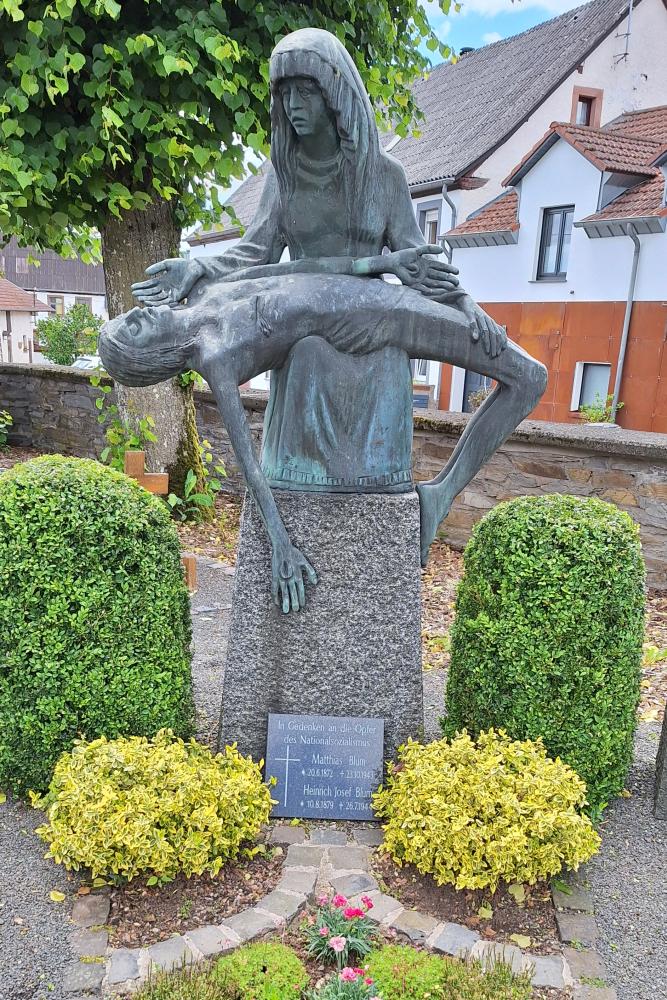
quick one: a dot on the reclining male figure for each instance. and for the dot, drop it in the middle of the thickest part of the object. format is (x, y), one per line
(235, 329)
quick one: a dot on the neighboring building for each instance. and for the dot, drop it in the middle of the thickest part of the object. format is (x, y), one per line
(575, 250)
(61, 281)
(18, 314)
(587, 66)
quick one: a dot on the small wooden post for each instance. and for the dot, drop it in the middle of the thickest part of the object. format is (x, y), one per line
(154, 482)
(158, 483)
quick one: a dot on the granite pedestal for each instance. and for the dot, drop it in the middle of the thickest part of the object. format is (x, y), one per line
(356, 647)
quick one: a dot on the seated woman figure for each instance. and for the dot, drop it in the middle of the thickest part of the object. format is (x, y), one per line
(237, 328)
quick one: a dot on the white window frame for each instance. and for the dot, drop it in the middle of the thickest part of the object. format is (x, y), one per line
(578, 381)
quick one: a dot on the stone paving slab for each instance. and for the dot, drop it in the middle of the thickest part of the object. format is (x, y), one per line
(584, 963)
(413, 925)
(301, 882)
(87, 942)
(369, 837)
(304, 856)
(91, 910)
(284, 906)
(349, 858)
(577, 898)
(211, 940)
(491, 952)
(286, 835)
(250, 924)
(124, 965)
(83, 976)
(328, 837)
(548, 970)
(576, 927)
(383, 906)
(351, 885)
(453, 939)
(170, 954)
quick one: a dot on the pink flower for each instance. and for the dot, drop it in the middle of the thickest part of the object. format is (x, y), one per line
(322, 899)
(375, 998)
(339, 901)
(367, 902)
(337, 944)
(348, 975)
(323, 931)
(359, 972)
(351, 912)
(368, 981)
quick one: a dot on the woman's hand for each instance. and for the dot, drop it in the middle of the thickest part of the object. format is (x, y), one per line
(416, 268)
(288, 567)
(169, 283)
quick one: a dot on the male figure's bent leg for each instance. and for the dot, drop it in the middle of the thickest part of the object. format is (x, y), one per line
(440, 333)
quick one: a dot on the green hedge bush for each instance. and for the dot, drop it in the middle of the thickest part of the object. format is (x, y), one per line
(267, 969)
(547, 638)
(134, 806)
(94, 615)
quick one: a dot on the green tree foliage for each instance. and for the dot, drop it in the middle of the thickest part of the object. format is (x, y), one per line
(66, 337)
(94, 615)
(105, 107)
(547, 639)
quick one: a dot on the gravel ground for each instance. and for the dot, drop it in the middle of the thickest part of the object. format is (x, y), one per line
(629, 882)
(629, 877)
(34, 931)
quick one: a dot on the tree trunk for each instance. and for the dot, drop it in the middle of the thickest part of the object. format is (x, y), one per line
(129, 244)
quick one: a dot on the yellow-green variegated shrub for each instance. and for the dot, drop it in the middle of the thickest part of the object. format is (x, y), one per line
(135, 806)
(472, 813)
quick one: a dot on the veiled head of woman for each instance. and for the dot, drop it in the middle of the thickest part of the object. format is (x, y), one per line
(317, 59)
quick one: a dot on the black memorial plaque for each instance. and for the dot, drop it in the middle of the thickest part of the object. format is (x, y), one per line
(325, 766)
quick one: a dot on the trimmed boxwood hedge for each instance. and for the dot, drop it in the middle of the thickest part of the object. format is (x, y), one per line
(94, 615)
(547, 639)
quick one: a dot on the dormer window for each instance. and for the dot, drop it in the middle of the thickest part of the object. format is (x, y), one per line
(586, 106)
(584, 110)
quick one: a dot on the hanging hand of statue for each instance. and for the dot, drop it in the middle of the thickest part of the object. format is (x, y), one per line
(288, 567)
(169, 283)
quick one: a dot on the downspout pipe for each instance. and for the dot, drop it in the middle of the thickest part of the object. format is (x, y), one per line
(632, 233)
(452, 207)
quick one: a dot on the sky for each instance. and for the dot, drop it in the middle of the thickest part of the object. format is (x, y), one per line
(480, 22)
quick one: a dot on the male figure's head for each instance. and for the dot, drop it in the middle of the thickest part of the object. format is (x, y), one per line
(146, 346)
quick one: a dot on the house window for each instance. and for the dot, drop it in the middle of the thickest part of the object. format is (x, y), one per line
(586, 106)
(584, 111)
(591, 384)
(84, 300)
(420, 370)
(555, 242)
(57, 303)
(428, 223)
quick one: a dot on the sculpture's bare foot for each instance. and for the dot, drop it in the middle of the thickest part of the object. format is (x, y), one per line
(289, 567)
(434, 505)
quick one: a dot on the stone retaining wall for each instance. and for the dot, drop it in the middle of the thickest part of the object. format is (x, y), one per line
(54, 410)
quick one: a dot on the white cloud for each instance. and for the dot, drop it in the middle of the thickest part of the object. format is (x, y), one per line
(491, 8)
(490, 37)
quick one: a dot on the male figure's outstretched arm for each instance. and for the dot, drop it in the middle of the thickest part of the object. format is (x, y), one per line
(288, 564)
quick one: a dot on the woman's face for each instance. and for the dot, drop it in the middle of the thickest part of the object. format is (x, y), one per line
(304, 105)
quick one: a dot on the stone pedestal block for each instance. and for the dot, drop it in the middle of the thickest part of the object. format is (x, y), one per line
(356, 648)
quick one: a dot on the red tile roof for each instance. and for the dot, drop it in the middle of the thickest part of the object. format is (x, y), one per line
(651, 123)
(644, 199)
(612, 149)
(14, 299)
(498, 216)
